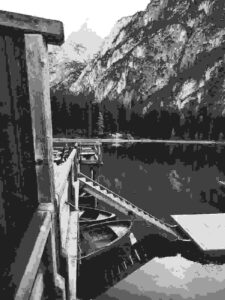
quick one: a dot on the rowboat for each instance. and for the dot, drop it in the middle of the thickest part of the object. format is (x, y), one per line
(89, 216)
(87, 200)
(101, 238)
(90, 153)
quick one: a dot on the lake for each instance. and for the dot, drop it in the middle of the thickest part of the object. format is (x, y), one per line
(167, 179)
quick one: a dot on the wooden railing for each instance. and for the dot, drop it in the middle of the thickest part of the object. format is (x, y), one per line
(67, 191)
(35, 271)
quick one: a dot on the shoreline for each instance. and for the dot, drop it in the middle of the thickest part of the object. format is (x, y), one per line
(118, 141)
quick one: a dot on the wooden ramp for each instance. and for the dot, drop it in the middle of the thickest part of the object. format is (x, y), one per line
(124, 206)
(206, 230)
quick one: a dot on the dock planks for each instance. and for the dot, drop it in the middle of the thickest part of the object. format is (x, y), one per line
(206, 230)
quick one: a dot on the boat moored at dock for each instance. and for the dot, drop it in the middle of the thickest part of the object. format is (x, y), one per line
(90, 153)
(99, 238)
(89, 216)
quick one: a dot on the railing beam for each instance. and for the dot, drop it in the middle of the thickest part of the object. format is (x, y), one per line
(29, 255)
(52, 30)
(38, 287)
(63, 173)
(72, 254)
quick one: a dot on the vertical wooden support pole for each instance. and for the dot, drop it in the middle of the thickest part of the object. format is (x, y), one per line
(72, 254)
(73, 235)
(76, 170)
(39, 96)
(92, 173)
(72, 177)
(76, 194)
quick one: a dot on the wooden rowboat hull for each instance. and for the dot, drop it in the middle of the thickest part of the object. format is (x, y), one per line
(91, 216)
(101, 238)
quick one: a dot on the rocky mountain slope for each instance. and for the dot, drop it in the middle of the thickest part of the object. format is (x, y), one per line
(169, 56)
(67, 61)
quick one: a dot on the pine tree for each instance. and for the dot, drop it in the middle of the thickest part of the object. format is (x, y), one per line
(100, 123)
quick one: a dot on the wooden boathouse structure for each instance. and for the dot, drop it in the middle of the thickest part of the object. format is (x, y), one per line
(38, 232)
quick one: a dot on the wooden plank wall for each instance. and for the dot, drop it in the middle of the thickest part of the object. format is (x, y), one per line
(18, 194)
(30, 250)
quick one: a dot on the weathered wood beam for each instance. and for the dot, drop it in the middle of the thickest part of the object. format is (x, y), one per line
(39, 95)
(24, 269)
(38, 287)
(63, 173)
(72, 254)
(55, 283)
(76, 186)
(52, 30)
(64, 223)
(64, 214)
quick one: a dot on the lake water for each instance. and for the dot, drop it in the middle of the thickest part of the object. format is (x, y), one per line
(168, 179)
(165, 179)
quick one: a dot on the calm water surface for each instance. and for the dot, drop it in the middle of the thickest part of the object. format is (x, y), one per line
(165, 179)
(168, 179)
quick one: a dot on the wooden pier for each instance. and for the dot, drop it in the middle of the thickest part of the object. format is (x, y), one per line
(90, 153)
(206, 230)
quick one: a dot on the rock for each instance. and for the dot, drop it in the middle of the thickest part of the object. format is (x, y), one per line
(67, 62)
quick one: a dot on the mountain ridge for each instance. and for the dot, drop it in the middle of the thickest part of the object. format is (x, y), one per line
(159, 74)
(67, 61)
(150, 50)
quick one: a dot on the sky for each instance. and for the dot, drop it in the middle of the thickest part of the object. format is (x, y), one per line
(100, 15)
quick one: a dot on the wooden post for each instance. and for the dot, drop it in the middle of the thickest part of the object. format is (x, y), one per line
(72, 254)
(92, 173)
(39, 95)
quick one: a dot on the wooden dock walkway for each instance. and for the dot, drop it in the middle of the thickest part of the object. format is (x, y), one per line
(206, 230)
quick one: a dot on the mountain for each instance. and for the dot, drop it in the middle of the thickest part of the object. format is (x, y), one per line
(88, 39)
(67, 61)
(168, 57)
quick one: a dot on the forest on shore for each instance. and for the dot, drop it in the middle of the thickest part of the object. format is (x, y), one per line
(82, 116)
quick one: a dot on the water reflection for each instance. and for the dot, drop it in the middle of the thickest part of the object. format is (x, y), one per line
(165, 179)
